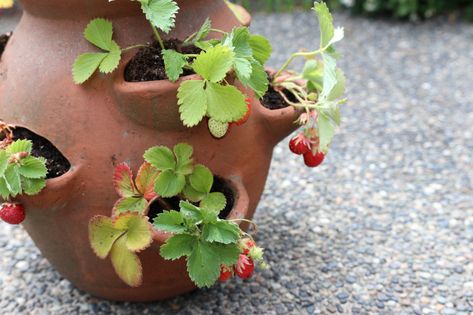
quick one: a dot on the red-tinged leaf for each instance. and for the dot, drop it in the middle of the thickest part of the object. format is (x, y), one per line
(102, 235)
(145, 180)
(123, 181)
(126, 263)
(130, 204)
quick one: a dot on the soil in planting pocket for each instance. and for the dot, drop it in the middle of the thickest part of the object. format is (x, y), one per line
(56, 162)
(220, 185)
(274, 100)
(3, 42)
(148, 63)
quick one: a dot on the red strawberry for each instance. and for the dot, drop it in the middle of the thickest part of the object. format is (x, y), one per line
(225, 273)
(247, 115)
(244, 267)
(313, 160)
(247, 244)
(13, 213)
(299, 144)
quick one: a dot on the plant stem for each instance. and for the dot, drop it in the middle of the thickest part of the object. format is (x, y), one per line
(294, 56)
(217, 31)
(158, 38)
(133, 47)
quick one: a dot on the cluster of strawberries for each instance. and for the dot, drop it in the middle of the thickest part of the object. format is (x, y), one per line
(13, 213)
(220, 129)
(245, 266)
(308, 146)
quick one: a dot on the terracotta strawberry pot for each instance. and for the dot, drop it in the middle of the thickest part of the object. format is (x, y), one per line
(108, 120)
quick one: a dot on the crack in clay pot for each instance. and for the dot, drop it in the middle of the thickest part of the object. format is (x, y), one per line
(56, 163)
(3, 42)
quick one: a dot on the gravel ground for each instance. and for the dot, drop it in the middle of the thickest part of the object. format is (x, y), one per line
(385, 226)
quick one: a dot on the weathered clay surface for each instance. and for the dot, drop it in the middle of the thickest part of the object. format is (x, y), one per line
(106, 121)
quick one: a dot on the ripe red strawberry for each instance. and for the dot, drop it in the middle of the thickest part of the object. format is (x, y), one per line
(13, 213)
(247, 244)
(247, 115)
(299, 144)
(313, 160)
(225, 273)
(244, 267)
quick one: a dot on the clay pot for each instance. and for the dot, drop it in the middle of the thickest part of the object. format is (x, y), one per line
(107, 121)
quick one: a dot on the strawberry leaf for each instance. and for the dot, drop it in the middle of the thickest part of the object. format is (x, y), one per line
(203, 31)
(214, 64)
(183, 153)
(4, 191)
(325, 23)
(215, 201)
(174, 63)
(169, 184)
(4, 156)
(162, 158)
(32, 167)
(160, 13)
(102, 235)
(99, 32)
(111, 61)
(258, 80)
(193, 195)
(178, 246)
(225, 103)
(20, 146)
(130, 204)
(203, 264)
(192, 102)
(261, 48)
(201, 179)
(32, 186)
(170, 221)
(126, 263)
(190, 211)
(228, 253)
(85, 66)
(326, 131)
(13, 180)
(123, 181)
(145, 179)
(138, 236)
(221, 232)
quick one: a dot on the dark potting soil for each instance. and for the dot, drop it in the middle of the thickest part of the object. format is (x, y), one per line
(148, 63)
(3, 42)
(220, 185)
(56, 163)
(273, 100)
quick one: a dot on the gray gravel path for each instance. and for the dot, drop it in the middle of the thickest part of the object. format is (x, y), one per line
(385, 226)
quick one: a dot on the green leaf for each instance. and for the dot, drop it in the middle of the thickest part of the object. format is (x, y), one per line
(215, 201)
(169, 184)
(214, 64)
(161, 13)
(138, 236)
(161, 158)
(208, 216)
(4, 191)
(330, 75)
(192, 102)
(193, 195)
(85, 65)
(261, 48)
(326, 132)
(190, 211)
(243, 68)
(126, 263)
(102, 235)
(228, 253)
(13, 180)
(170, 221)
(111, 61)
(123, 181)
(19, 146)
(130, 204)
(174, 63)
(313, 72)
(203, 265)
(339, 89)
(225, 103)
(258, 80)
(325, 23)
(145, 179)
(201, 179)
(99, 32)
(240, 37)
(4, 156)
(178, 246)
(33, 187)
(183, 153)
(203, 31)
(32, 167)
(221, 232)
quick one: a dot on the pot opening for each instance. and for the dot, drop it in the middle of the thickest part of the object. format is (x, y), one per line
(219, 185)
(273, 100)
(56, 162)
(148, 63)
(3, 42)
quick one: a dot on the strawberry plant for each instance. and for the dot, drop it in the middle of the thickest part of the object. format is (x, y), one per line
(321, 95)
(20, 173)
(207, 242)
